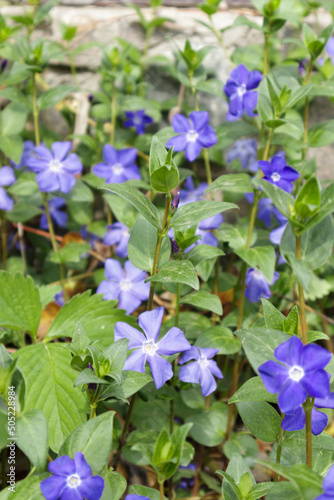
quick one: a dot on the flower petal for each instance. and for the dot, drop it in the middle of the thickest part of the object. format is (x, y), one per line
(290, 174)
(213, 367)
(178, 142)
(127, 156)
(102, 170)
(291, 396)
(193, 149)
(273, 376)
(125, 331)
(190, 373)
(136, 361)
(110, 155)
(52, 487)
(315, 357)
(180, 123)
(265, 167)
(61, 149)
(133, 273)
(200, 120)
(250, 100)
(192, 353)
(150, 322)
(290, 351)
(161, 370)
(66, 181)
(207, 381)
(62, 466)
(132, 172)
(128, 301)
(173, 342)
(83, 469)
(47, 181)
(294, 421)
(6, 202)
(72, 164)
(7, 176)
(254, 79)
(319, 421)
(109, 289)
(113, 270)
(71, 494)
(92, 488)
(240, 74)
(316, 383)
(208, 137)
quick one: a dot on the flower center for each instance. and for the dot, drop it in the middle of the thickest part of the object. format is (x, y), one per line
(73, 481)
(149, 347)
(55, 165)
(241, 90)
(203, 362)
(257, 274)
(275, 177)
(296, 373)
(137, 120)
(125, 232)
(118, 168)
(192, 136)
(125, 285)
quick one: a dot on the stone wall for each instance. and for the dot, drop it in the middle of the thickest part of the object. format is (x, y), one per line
(103, 20)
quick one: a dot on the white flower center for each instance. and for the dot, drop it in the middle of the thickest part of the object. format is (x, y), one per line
(126, 285)
(118, 168)
(149, 347)
(296, 373)
(73, 481)
(275, 177)
(125, 232)
(203, 362)
(55, 165)
(137, 120)
(257, 274)
(192, 136)
(241, 90)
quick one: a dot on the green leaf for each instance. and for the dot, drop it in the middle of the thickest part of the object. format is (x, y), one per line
(164, 449)
(13, 119)
(178, 440)
(88, 377)
(321, 134)
(193, 213)
(32, 437)
(177, 271)
(259, 344)
(23, 211)
(15, 95)
(114, 485)
(144, 491)
(52, 96)
(326, 207)
(261, 419)
(12, 146)
(164, 174)
(49, 379)
(232, 183)
(27, 489)
(116, 354)
(260, 490)
(219, 337)
(282, 200)
(96, 315)
(273, 317)
(80, 192)
(203, 300)
(94, 439)
(211, 86)
(253, 390)
(228, 495)
(209, 426)
(301, 271)
(142, 244)
(260, 258)
(283, 489)
(138, 200)
(71, 252)
(131, 383)
(201, 253)
(244, 21)
(313, 336)
(20, 307)
(316, 243)
(235, 236)
(308, 483)
(308, 199)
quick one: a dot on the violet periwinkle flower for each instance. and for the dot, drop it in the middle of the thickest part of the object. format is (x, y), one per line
(175, 202)
(7, 178)
(127, 285)
(301, 68)
(204, 230)
(300, 373)
(28, 151)
(137, 119)
(148, 348)
(330, 48)
(202, 370)
(257, 286)
(175, 247)
(136, 497)
(71, 480)
(118, 234)
(239, 89)
(328, 486)
(276, 235)
(277, 172)
(56, 214)
(295, 421)
(59, 298)
(190, 193)
(187, 481)
(195, 133)
(55, 170)
(118, 166)
(245, 150)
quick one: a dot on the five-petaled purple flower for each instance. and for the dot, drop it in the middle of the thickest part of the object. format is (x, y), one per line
(295, 421)
(299, 373)
(118, 234)
(245, 150)
(257, 286)
(277, 172)
(194, 134)
(72, 480)
(55, 170)
(128, 285)
(57, 215)
(7, 178)
(28, 151)
(239, 88)
(118, 166)
(202, 370)
(148, 348)
(137, 119)
(328, 486)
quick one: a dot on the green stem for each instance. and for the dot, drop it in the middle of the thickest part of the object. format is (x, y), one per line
(157, 253)
(72, 66)
(177, 308)
(265, 54)
(306, 111)
(207, 167)
(122, 439)
(279, 451)
(113, 112)
(94, 404)
(303, 323)
(3, 240)
(193, 90)
(308, 417)
(162, 490)
(35, 109)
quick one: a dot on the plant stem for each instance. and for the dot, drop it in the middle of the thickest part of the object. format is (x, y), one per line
(72, 66)
(308, 417)
(306, 111)
(162, 490)
(113, 112)
(301, 296)
(265, 54)
(279, 451)
(35, 109)
(3, 240)
(329, 343)
(207, 167)
(122, 439)
(157, 253)
(177, 308)
(195, 489)
(193, 90)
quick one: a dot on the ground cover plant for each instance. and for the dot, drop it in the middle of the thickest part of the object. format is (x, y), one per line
(166, 285)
